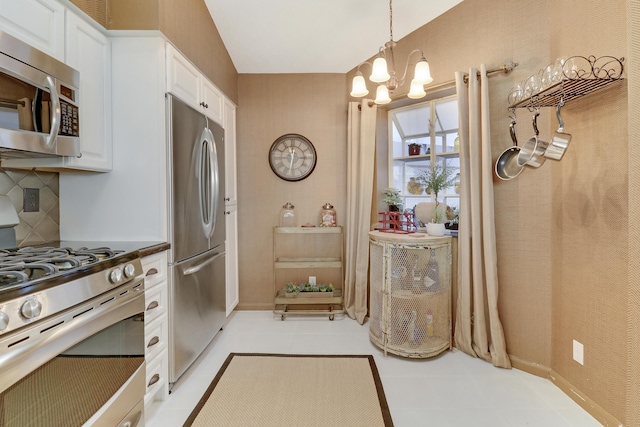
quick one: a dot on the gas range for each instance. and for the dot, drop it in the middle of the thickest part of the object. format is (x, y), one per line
(32, 263)
(37, 282)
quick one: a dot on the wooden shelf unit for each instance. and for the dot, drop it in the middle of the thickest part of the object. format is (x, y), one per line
(301, 252)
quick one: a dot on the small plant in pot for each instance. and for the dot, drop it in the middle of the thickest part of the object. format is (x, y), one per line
(437, 178)
(392, 199)
(414, 149)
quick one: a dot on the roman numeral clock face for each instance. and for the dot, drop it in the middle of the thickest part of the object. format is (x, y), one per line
(292, 157)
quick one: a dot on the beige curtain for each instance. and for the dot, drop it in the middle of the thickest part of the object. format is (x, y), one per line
(361, 149)
(478, 328)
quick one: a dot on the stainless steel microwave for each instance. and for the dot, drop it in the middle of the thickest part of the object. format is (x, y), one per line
(39, 103)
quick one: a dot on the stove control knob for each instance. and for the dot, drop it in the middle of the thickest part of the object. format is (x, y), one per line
(115, 276)
(129, 270)
(4, 320)
(31, 308)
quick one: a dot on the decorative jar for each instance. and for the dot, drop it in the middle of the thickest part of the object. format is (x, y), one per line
(327, 215)
(288, 216)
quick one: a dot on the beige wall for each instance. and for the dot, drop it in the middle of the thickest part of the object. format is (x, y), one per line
(186, 23)
(312, 105)
(562, 229)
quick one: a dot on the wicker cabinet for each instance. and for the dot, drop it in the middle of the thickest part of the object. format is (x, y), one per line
(410, 298)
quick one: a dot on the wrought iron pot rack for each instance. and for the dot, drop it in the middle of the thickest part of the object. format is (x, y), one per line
(575, 76)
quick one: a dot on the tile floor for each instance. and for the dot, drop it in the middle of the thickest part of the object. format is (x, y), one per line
(452, 389)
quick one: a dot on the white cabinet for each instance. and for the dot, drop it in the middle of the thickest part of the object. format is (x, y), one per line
(211, 100)
(232, 285)
(156, 328)
(38, 22)
(231, 204)
(91, 204)
(187, 82)
(87, 50)
(231, 178)
(183, 79)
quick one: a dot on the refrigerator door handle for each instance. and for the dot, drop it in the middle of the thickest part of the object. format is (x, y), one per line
(215, 181)
(203, 173)
(196, 268)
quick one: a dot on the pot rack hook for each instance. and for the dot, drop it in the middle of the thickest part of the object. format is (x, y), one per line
(559, 117)
(535, 121)
(512, 114)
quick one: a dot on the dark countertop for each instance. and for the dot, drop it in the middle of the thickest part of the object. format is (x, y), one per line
(132, 250)
(144, 248)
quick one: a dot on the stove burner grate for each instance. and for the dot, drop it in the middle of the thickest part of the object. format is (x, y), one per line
(31, 263)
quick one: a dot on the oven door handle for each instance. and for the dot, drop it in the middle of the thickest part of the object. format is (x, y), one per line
(196, 268)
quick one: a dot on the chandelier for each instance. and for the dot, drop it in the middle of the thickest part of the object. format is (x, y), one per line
(383, 71)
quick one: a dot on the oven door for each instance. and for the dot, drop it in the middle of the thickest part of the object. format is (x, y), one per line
(84, 366)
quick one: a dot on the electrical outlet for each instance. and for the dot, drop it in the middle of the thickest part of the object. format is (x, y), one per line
(578, 352)
(31, 199)
(312, 280)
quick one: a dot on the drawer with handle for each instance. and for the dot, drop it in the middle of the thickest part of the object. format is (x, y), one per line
(155, 269)
(155, 337)
(156, 300)
(156, 379)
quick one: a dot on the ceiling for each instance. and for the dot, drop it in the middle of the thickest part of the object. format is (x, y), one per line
(314, 36)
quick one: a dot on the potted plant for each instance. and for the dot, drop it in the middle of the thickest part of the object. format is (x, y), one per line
(292, 290)
(437, 178)
(392, 199)
(414, 149)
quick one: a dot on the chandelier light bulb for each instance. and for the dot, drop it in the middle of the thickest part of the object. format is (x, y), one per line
(359, 86)
(382, 95)
(379, 74)
(423, 72)
(417, 90)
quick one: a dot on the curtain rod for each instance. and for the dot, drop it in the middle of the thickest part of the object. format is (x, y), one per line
(506, 68)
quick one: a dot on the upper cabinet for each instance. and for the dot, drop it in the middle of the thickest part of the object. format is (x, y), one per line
(38, 22)
(88, 50)
(186, 82)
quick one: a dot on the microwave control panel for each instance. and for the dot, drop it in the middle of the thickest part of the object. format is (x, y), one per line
(69, 125)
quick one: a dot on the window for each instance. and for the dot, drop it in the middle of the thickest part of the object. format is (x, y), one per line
(433, 126)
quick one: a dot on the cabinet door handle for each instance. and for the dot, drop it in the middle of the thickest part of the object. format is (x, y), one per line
(152, 271)
(154, 379)
(153, 341)
(152, 305)
(204, 105)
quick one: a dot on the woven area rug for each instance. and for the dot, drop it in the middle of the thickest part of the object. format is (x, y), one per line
(294, 390)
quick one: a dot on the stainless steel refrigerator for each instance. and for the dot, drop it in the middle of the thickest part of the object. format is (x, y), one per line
(197, 304)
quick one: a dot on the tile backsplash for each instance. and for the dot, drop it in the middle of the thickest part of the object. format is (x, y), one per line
(35, 227)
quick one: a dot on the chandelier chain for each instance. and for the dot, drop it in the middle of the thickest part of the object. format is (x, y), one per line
(391, 20)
